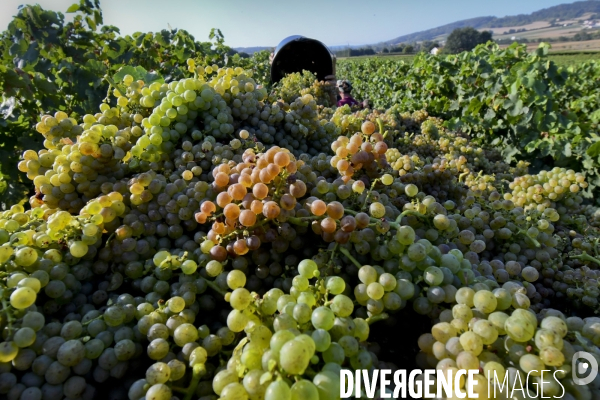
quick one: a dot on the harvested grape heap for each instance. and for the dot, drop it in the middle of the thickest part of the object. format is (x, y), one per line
(205, 239)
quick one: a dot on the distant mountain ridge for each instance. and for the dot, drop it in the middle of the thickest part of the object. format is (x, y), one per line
(252, 50)
(561, 11)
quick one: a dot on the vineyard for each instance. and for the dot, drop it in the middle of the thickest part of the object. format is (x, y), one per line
(173, 226)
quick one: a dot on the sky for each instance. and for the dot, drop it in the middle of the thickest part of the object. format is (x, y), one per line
(266, 22)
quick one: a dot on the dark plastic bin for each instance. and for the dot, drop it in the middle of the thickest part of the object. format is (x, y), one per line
(298, 53)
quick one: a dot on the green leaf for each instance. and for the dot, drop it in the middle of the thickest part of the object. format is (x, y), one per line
(594, 150)
(73, 8)
(489, 115)
(138, 73)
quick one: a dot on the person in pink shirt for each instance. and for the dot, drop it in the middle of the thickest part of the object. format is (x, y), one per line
(345, 89)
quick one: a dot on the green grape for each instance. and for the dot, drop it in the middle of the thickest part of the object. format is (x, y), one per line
(260, 335)
(335, 285)
(451, 262)
(25, 256)
(234, 391)
(222, 379)
(530, 363)
(465, 296)
(342, 305)
(34, 320)
(498, 319)
(377, 210)
(307, 268)
(24, 337)
(387, 281)
(278, 390)
(323, 318)
(494, 370)
(443, 331)
(552, 356)
(433, 276)
(471, 342)
(158, 373)
(328, 384)
(157, 349)
(300, 282)
(214, 268)
(556, 325)
(361, 329)
(236, 279)
(367, 274)
(546, 338)
(301, 313)
(176, 304)
(5, 252)
(32, 283)
(334, 354)
(406, 235)
(294, 357)
(485, 301)
(322, 339)
(252, 383)
(236, 321)
(417, 252)
(486, 330)
(185, 333)
(375, 291)
(405, 289)
(280, 338)
(467, 360)
(503, 299)
(304, 390)
(159, 392)
(519, 329)
(78, 249)
(198, 356)
(22, 297)
(240, 299)
(188, 267)
(411, 190)
(8, 351)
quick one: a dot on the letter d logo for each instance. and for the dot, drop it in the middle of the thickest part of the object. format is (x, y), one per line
(583, 367)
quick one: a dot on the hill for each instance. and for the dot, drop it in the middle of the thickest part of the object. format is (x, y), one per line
(559, 12)
(252, 50)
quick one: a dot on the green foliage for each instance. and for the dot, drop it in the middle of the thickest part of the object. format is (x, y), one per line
(49, 64)
(521, 103)
(465, 39)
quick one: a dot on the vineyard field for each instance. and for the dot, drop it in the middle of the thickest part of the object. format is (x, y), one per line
(563, 58)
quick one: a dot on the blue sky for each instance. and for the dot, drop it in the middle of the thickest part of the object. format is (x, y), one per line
(266, 22)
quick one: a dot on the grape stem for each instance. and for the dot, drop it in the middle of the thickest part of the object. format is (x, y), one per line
(214, 287)
(238, 232)
(369, 193)
(92, 320)
(9, 317)
(371, 320)
(534, 241)
(345, 252)
(199, 371)
(113, 84)
(302, 221)
(393, 224)
(586, 257)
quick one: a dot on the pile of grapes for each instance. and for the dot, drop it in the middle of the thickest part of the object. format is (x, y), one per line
(206, 239)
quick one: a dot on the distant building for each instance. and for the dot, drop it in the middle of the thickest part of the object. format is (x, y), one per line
(434, 51)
